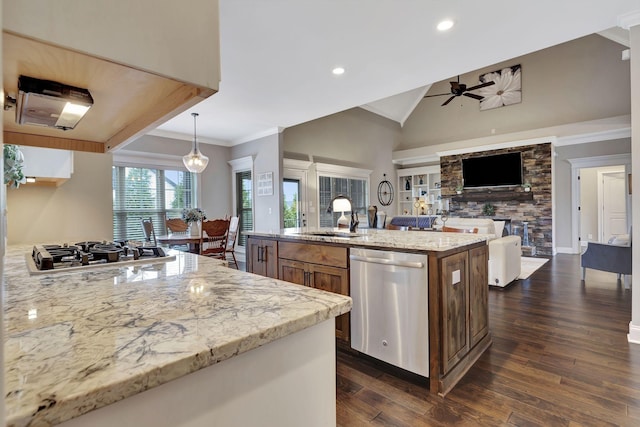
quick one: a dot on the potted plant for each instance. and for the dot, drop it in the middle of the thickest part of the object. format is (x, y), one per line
(488, 209)
(459, 189)
(13, 160)
(526, 186)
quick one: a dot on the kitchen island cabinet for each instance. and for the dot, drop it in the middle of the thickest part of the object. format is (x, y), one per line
(318, 266)
(457, 285)
(262, 257)
(186, 342)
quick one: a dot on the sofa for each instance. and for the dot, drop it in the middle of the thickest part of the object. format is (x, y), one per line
(504, 251)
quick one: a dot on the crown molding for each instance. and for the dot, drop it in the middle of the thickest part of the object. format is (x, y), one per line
(629, 20)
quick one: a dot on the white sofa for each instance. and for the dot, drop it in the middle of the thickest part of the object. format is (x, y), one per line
(504, 252)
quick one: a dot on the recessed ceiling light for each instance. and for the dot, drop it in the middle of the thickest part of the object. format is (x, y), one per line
(445, 25)
(338, 71)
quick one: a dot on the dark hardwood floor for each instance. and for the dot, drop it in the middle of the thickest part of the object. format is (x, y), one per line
(560, 357)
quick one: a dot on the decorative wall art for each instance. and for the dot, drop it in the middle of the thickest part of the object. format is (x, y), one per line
(265, 184)
(507, 89)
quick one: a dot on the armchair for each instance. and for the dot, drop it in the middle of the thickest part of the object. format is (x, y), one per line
(611, 257)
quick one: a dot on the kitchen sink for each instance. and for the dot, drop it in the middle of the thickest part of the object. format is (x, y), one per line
(345, 234)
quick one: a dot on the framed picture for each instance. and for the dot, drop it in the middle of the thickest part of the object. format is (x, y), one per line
(507, 89)
(265, 184)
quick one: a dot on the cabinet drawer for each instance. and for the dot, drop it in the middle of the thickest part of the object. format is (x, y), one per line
(314, 253)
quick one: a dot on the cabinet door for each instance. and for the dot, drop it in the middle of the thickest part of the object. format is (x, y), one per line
(455, 321)
(293, 271)
(254, 256)
(478, 294)
(270, 258)
(262, 257)
(334, 280)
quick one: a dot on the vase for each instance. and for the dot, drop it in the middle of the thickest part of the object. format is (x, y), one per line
(407, 185)
(194, 229)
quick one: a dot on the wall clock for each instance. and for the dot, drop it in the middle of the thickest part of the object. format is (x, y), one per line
(385, 192)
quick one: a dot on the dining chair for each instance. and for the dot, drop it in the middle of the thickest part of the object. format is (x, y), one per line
(459, 230)
(149, 232)
(232, 238)
(176, 225)
(213, 238)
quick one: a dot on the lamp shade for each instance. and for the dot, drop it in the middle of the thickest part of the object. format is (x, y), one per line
(195, 161)
(341, 205)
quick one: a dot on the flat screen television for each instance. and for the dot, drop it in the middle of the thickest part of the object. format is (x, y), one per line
(492, 171)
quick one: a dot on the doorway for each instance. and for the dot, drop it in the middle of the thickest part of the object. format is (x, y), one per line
(294, 185)
(600, 199)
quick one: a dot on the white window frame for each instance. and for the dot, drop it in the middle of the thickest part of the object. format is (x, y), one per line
(338, 171)
(242, 164)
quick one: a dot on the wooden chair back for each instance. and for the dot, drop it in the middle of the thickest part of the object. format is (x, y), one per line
(176, 225)
(149, 233)
(459, 230)
(232, 237)
(213, 238)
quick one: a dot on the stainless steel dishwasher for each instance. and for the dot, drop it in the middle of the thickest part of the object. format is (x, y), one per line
(389, 318)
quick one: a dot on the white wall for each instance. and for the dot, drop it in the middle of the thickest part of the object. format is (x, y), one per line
(79, 209)
(267, 157)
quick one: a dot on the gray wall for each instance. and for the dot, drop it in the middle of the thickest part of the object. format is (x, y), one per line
(267, 157)
(581, 80)
(562, 180)
(214, 183)
(355, 138)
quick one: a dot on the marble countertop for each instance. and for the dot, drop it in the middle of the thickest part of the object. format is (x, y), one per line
(77, 341)
(379, 238)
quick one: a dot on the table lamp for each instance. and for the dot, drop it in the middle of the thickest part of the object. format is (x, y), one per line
(342, 204)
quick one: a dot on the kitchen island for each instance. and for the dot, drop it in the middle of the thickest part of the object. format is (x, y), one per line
(454, 291)
(186, 342)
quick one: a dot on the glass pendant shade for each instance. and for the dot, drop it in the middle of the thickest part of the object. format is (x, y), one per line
(195, 161)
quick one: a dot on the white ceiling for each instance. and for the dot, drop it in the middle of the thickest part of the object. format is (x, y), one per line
(277, 56)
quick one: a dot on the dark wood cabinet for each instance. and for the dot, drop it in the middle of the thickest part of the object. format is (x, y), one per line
(318, 266)
(262, 257)
(478, 295)
(455, 290)
(458, 314)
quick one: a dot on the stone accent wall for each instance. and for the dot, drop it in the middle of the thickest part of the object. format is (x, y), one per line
(536, 164)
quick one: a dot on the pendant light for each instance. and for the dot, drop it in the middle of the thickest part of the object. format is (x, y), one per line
(195, 161)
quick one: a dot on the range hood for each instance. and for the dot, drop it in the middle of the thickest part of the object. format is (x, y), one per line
(50, 104)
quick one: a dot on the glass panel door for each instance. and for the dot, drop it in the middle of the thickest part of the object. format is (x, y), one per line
(291, 212)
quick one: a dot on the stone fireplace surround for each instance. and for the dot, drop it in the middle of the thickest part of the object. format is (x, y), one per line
(509, 202)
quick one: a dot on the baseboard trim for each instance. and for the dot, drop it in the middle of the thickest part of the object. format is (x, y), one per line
(634, 333)
(565, 250)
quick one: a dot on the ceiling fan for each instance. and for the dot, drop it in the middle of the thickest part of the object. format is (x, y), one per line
(458, 89)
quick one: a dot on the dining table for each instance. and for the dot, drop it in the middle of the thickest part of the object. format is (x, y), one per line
(173, 239)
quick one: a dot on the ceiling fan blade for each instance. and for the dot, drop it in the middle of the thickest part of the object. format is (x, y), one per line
(473, 95)
(440, 94)
(448, 101)
(481, 85)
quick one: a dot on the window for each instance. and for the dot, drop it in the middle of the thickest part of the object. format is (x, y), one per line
(244, 204)
(142, 193)
(350, 182)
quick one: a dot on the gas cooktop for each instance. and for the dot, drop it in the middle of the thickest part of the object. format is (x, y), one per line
(49, 258)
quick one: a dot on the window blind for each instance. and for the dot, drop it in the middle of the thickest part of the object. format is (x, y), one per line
(331, 186)
(148, 193)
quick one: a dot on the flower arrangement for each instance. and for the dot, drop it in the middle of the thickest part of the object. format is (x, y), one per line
(193, 215)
